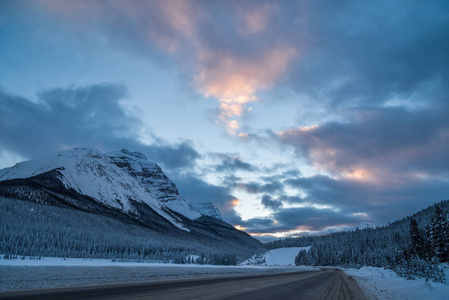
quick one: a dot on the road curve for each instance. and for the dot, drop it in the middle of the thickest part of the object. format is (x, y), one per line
(324, 284)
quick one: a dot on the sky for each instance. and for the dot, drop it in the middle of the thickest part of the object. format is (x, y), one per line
(292, 117)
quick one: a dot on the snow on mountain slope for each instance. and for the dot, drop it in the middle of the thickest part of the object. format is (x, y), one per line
(150, 175)
(276, 257)
(94, 174)
(207, 209)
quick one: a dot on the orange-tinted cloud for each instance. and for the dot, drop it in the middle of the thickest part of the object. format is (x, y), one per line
(235, 80)
(238, 227)
(236, 202)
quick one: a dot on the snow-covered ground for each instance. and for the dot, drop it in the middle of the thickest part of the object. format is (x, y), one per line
(382, 284)
(276, 257)
(52, 272)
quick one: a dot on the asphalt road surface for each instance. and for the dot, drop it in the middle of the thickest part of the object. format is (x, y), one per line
(325, 284)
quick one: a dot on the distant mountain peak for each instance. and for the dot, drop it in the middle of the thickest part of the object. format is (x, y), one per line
(207, 209)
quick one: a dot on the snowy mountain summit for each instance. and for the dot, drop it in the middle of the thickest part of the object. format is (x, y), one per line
(123, 181)
(155, 182)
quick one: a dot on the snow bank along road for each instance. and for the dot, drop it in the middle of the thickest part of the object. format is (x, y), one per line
(324, 284)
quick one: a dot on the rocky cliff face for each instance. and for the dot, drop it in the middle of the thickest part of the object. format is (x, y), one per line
(152, 178)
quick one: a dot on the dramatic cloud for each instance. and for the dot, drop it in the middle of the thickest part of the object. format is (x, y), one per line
(354, 94)
(378, 145)
(378, 205)
(348, 60)
(71, 117)
(380, 161)
(186, 31)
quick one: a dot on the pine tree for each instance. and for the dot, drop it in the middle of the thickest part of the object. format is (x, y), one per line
(418, 245)
(438, 235)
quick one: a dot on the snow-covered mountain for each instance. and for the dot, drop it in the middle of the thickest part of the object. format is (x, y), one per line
(90, 172)
(129, 200)
(123, 180)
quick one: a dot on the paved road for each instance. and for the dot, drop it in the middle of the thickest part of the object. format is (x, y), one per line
(325, 284)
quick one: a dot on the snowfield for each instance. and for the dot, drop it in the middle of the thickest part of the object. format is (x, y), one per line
(283, 256)
(276, 257)
(378, 283)
(52, 272)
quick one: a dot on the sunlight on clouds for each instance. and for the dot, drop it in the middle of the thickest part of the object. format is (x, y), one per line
(174, 26)
(294, 131)
(250, 206)
(239, 227)
(361, 214)
(309, 128)
(235, 80)
(304, 231)
(236, 202)
(359, 174)
(301, 230)
(311, 205)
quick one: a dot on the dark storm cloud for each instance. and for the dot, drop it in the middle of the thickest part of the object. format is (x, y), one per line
(270, 203)
(314, 219)
(370, 52)
(379, 204)
(173, 156)
(257, 225)
(190, 185)
(71, 117)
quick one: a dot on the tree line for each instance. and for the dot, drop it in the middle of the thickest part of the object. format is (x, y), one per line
(412, 247)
